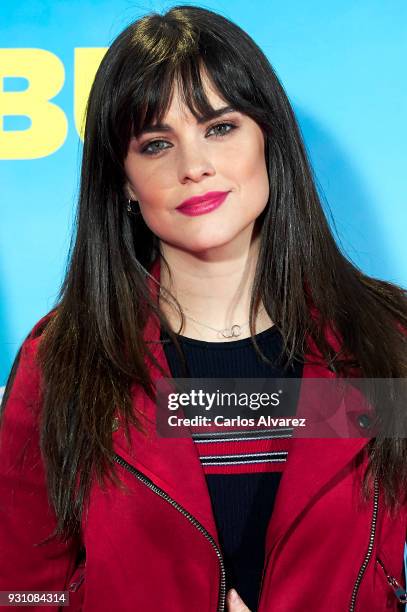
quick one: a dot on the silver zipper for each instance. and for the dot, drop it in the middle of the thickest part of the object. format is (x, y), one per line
(369, 548)
(145, 480)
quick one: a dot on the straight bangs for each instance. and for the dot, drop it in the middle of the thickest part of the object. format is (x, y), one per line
(186, 78)
(145, 99)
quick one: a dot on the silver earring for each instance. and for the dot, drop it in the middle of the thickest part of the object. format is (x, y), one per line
(132, 207)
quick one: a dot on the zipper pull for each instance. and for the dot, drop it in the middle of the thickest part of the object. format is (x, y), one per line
(398, 589)
(74, 586)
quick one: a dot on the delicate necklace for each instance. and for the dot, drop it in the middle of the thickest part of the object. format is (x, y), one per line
(228, 332)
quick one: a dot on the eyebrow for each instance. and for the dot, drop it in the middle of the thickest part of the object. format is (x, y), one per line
(164, 127)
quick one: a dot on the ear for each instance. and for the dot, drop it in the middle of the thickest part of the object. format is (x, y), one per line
(129, 192)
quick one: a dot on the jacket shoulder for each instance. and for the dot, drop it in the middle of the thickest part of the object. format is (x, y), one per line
(37, 330)
(24, 382)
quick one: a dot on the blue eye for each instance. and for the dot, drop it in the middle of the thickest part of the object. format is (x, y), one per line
(155, 150)
(222, 125)
(151, 150)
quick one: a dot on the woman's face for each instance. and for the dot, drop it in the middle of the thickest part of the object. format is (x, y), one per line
(166, 167)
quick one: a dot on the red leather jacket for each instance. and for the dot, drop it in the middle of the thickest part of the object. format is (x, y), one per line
(155, 547)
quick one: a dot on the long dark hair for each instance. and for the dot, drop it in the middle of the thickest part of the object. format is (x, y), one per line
(92, 347)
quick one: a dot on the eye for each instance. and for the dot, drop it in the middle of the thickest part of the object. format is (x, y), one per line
(154, 150)
(220, 126)
(152, 147)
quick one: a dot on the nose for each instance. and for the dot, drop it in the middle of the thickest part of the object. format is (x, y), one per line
(194, 164)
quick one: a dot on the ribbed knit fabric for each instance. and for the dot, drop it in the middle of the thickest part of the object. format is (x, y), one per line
(242, 468)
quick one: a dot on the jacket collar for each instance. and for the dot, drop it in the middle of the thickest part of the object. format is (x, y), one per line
(174, 464)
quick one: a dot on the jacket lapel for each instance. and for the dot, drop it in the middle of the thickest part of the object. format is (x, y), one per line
(173, 464)
(313, 462)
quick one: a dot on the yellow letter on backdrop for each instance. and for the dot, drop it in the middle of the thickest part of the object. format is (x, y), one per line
(86, 63)
(45, 74)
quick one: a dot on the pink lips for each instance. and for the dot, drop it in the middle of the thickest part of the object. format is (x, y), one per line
(200, 205)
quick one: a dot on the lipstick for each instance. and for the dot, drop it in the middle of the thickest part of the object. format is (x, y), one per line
(200, 205)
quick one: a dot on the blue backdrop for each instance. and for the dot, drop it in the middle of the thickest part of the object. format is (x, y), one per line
(341, 62)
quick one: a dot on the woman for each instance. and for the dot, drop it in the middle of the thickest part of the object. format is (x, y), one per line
(246, 281)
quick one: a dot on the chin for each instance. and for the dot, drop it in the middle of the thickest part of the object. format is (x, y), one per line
(212, 236)
(206, 246)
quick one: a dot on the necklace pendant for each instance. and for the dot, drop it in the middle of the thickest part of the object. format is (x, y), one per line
(233, 332)
(236, 330)
(226, 333)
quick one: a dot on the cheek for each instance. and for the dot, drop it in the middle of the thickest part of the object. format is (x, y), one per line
(149, 193)
(252, 173)
(156, 215)
(147, 180)
(151, 185)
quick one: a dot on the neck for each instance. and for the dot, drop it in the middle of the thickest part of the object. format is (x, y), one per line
(213, 288)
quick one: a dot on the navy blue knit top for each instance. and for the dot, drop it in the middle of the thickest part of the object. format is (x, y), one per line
(242, 469)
